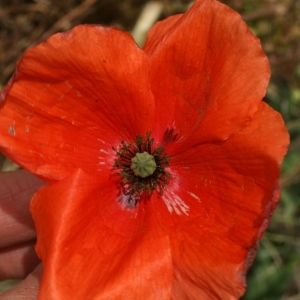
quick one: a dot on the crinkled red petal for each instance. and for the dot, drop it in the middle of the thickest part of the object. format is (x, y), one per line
(221, 197)
(195, 241)
(92, 247)
(72, 98)
(208, 73)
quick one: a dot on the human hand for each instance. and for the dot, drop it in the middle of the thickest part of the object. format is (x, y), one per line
(18, 259)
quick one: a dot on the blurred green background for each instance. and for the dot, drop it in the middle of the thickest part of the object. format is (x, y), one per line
(276, 270)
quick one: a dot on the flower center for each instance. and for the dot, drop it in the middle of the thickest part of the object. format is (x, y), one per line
(142, 169)
(143, 164)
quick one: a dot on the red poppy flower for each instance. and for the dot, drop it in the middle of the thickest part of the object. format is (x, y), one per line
(162, 161)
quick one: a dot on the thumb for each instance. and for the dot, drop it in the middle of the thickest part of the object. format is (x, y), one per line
(27, 289)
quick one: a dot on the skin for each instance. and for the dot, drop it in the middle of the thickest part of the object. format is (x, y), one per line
(18, 259)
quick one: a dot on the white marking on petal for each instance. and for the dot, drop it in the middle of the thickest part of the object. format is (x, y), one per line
(78, 93)
(69, 84)
(11, 129)
(168, 203)
(101, 141)
(181, 205)
(194, 196)
(104, 151)
(174, 202)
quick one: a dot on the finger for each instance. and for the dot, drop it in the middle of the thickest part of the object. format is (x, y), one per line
(16, 190)
(27, 289)
(18, 261)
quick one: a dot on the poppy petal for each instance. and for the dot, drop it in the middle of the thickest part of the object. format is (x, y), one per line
(87, 239)
(221, 198)
(199, 244)
(73, 95)
(208, 73)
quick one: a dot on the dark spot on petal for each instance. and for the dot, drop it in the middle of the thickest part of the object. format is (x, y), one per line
(169, 136)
